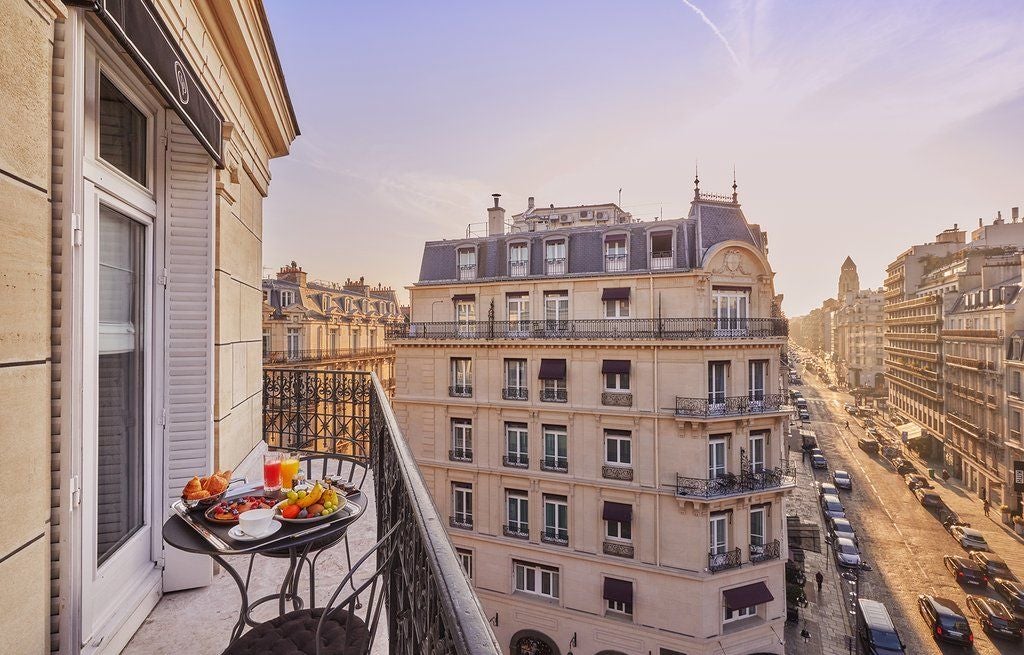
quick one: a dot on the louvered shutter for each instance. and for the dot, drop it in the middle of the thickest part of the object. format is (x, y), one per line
(188, 334)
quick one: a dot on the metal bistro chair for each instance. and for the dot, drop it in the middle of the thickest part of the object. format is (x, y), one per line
(351, 469)
(335, 629)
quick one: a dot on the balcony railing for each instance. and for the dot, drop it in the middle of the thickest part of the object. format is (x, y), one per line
(515, 461)
(518, 268)
(273, 357)
(554, 536)
(731, 484)
(516, 531)
(615, 262)
(556, 464)
(464, 522)
(765, 552)
(467, 271)
(661, 261)
(515, 393)
(615, 472)
(460, 454)
(729, 406)
(730, 559)
(669, 329)
(431, 607)
(617, 549)
(461, 391)
(554, 266)
(554, 395)
(617, 398)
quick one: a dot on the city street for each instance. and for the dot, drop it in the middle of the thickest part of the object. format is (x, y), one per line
(902, 541)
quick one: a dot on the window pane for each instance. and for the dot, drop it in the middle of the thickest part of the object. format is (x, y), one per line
(122, 132)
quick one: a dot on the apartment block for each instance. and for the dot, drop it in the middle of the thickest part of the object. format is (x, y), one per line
(596, 404)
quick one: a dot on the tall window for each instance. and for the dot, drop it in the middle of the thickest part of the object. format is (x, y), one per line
(556, 449)
(553, 381)
(618, 596)
(719, 526)
(467, 263)
(515, 379)
(556, 519)
(466, 559)
(535, 579)
(616, 375)
(462, 505)
(716, 457)
(465, 311)
(556, 310)
(287, 298)
(355, 339)
(461, 377)
(292, 342)
(729, 308)
(516, 448)
(758, 527)
(618, 520)
(554, 257)
(717, 378)
(266, 342)
(462, 440)
(758, 379)
(662, 254)
(618, 448)
(518, 513)
(756, 451)
(518, 260)
(615, 254)
(616, 308)
(334, 340)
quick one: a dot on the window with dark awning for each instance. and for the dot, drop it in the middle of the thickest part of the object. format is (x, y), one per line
(615, 366)
(617, 512)
(620, 293)
(618, 590)
(747, 596)
(552, 369)
(464, 296)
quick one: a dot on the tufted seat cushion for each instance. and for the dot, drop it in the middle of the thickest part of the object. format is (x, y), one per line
(295, 634)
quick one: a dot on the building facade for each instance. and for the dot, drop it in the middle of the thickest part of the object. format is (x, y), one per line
(598, 409)
(320, 324)
(137, 139)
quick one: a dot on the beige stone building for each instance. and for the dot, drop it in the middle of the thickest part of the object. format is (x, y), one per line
(857, 331)
(320, 324)
(1013, 495)
(596, 404)
(137, 138)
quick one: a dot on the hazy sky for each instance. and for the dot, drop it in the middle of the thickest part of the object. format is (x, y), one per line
(855, 127)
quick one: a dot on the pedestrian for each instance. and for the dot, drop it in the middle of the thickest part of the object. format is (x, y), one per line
(820, 579)
(847, 425)
(803, 457)
(984, 507)
(806, 635)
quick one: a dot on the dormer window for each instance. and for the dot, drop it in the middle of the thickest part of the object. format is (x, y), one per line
(615, 257)
(325, 302)
(287, 298)
(518, 260)
(554, 257)
(467, 263)
(662, 253)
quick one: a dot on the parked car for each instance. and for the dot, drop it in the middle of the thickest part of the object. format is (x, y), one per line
(875, 630)
(915, 481)
(1012, 593)
(868, 445)
(850, 409)
(928, 498)
(904, 467)
(841, 528)
(965, 570)
(826, 489)
(950, 519)
(833, 387)
(832, 507)
(969, 538)
(847, 553)
(842, 480)
(945, 619)
(994, 565)
(818, 461)
(804, 415)
(872, 432)
(995, 618)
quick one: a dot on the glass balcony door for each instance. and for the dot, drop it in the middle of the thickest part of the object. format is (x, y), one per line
(730, 309)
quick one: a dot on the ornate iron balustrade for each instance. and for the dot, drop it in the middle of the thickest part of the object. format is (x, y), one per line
(616, 399)
(467, 271)
(730, 559)
(556, 464)
(431, 607)
(554, 266)
(515, 393)
(518, 268)
(554, 395)
(556, 537)
(765, 552)
(624, 473)
(661, 261)
(461, 522)
(729, 406)
(617, 549)
(516, 531)
(615, 262)
(515, 461)
(669, 329)
(276, 357)
(460, 454)
(731, 484)
(461, 391)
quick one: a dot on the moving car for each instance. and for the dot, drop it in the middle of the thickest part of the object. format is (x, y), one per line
(842, 480)
(928, 498)
(826, 489)
(818, 461)
(994, 565)
(915, 481)
(945, 619)
(832, 507)
(841, 528)
(850, 409)
(847, 553)
(804, 415)
(969, 538)
(868, 445)
(875, 631)
(965, 570)
(995, 618)
(1012, 593)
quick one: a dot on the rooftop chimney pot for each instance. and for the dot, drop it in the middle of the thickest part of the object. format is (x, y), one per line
(529, 202)
(495, 217)
(496, 196)
(1015, 213)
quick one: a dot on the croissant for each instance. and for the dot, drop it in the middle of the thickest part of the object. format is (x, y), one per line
(216, 485)
(192, 487)
(197, 495)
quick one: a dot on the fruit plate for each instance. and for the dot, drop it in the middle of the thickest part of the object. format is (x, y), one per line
(211, 513)
(349, 509)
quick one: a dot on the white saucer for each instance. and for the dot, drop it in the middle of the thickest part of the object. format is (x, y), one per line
(236, 532)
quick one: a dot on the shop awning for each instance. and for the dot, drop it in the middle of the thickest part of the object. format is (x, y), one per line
(615, 366)
(747, 596)
(617, 512)
(909, 431)
(618, 590)
(464, 296)
(617, 293)
(552, 369)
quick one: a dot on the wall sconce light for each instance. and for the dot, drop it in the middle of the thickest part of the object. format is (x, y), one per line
(493, 620)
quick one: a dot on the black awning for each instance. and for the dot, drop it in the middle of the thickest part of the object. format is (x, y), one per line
(617, 512)
(615, 293)
(618, 590)
(552, 369)
(615, 366)
(747, 596)
(463, 296)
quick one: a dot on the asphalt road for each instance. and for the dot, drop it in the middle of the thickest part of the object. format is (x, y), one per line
(902, 541)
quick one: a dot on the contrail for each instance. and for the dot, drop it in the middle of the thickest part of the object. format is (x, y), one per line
(714, 28)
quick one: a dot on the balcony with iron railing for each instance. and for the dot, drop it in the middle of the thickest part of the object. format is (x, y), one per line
(460, 391)
(615, 262)
(294, 357)
(667, 329)
(973, 335)
(555, 464)
(554, 266)
(765, 552)
(518, 268)
(731, 484)
(467, 271)
(460, 455)
(725, 560)
(710, 407)
(662, 260)
(556, 536)
(515, 393)
(554, 395)
(515, 461)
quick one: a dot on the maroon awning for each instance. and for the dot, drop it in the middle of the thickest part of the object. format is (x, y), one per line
(615, 366)
(552, 369)
(747, 596)
(615, 293)
(617, 512)
(464, 296)
(618, 590)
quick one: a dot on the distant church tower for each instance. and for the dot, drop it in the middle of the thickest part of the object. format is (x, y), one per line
(849, 281)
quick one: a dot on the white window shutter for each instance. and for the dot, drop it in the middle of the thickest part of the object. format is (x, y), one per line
(188, 334)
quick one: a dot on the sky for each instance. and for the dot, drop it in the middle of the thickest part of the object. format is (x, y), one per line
(855, 128)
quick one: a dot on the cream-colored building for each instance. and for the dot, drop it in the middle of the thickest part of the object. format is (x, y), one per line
(857, 327)
(137, 138)
(596, 405)
(1013, 495)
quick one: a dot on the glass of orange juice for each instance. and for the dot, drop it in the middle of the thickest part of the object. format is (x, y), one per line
(289, 468)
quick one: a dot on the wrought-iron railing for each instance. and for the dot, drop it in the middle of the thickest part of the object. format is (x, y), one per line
(461, 391)
(730, 559)
(515, 393)
(275, 357)
(518, 268)
(672, 329)
(516, 461)
(431, 607)
(556, 464)
(765, 552)
(555, 536)
(617, 549)
(554, 395)
(730, 483)
(460, 454)
(729, 405)
(615, 262)
(464, 522)
(516, 531)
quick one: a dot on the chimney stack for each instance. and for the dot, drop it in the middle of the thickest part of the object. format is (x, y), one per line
(495, 217)
(981, 222)
(999, 218)
(1015, 213)
(529, 204)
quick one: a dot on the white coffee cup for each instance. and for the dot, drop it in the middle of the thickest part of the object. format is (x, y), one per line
(256, 522)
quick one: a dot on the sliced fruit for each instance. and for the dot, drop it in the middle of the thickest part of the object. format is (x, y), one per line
(312, 497)
(290, 511)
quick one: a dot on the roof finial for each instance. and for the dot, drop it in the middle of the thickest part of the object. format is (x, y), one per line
(735, 196)
(696, 182)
